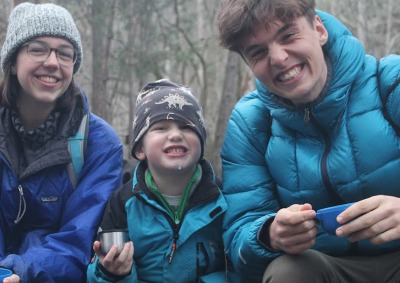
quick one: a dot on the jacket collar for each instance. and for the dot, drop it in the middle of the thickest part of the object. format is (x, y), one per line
(207, 189)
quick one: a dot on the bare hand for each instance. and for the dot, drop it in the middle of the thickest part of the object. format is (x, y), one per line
(293, 229)
(119, 265)
(14, 278)
(377, 219)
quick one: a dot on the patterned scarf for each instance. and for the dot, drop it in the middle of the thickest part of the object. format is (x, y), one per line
(36, 138)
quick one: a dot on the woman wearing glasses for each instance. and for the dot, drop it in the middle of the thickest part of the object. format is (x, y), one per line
(47, 224)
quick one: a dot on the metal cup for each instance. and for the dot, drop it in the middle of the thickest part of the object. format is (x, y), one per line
(108, 238)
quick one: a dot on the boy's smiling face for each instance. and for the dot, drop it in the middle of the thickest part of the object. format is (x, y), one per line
(170, 146)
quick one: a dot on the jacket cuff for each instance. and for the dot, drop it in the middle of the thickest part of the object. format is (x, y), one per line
(110, 275)
(263, 235)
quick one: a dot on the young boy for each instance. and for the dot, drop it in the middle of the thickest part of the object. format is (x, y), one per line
(172, 208)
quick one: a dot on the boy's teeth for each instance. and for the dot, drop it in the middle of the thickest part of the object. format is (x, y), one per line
(175, 150)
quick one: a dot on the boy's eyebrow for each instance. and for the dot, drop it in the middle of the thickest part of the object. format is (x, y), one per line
(279, 31)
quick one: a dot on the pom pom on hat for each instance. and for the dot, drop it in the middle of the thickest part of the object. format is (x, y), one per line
(165, 100)
(28, 21)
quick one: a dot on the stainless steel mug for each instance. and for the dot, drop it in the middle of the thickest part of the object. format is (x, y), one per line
(108, 238)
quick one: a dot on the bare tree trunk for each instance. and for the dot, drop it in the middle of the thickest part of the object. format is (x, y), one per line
(389, 22)
(132, 91)
(333, 7)
(361, 23)
(17, 2)
(231, 87)
(102, 26)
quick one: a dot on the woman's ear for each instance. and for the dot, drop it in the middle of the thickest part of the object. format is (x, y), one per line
(13, 70)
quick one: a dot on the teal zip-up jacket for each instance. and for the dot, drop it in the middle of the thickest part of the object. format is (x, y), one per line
(199, 254)
(339, 149)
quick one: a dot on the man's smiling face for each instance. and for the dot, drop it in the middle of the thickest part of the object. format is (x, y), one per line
(288, 58)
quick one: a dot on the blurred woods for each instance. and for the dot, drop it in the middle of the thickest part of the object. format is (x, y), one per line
(130, 42)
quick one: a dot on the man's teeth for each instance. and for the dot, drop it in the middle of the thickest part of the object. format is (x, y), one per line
(291, 74)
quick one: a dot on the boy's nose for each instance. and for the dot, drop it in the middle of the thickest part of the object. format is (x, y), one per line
(175, 133)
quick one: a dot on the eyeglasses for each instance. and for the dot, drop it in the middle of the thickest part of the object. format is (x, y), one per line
(40, 51)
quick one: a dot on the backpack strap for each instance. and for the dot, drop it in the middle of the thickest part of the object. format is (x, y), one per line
(384, 97)
(77, 147)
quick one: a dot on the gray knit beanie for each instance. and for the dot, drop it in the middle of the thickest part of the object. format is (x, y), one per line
(28, 21)
(165, 100)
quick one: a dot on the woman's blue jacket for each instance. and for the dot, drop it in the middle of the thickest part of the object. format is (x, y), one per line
(47, 226)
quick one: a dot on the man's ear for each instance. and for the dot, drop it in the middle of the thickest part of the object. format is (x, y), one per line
(322, 32)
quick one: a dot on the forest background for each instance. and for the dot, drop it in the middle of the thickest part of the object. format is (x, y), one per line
(128, 43)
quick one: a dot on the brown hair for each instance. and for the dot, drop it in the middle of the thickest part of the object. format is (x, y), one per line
(238, 17)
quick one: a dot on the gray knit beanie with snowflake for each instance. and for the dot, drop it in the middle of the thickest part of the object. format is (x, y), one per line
(28, 21)
(166, 100)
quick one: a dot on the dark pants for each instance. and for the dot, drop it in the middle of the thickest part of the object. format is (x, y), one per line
(313, 266)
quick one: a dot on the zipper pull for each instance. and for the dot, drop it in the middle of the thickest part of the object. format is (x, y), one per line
(176, 218)
(172, 252)
(306, 116)
(22, 205)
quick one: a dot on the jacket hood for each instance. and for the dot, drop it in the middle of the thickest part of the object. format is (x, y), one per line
(346, 57)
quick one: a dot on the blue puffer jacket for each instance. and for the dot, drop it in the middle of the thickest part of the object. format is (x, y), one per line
(199, 254)
(52, 241)
(344, 151)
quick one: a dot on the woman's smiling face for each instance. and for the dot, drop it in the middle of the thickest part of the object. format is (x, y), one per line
(43, 82)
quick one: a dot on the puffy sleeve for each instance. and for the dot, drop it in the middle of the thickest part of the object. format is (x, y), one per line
(248, 187)
(389, 87)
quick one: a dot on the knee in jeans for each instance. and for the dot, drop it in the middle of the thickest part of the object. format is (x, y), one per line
(306, 267)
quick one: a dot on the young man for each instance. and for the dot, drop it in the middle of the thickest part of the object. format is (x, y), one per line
(172, 208)
(319, 130)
